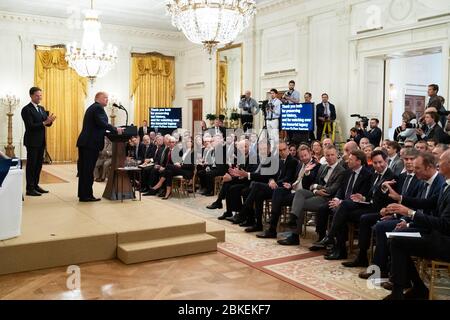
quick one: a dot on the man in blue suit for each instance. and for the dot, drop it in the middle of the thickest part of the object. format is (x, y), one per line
(90, 142)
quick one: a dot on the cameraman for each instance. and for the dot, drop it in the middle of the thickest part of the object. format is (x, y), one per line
(374, 134)
(248, 107)
(291, 96)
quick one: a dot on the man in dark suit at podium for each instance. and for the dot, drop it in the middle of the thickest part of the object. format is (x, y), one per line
(90, 142)
(35, 119)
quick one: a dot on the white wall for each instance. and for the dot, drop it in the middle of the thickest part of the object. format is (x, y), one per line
(21, 32)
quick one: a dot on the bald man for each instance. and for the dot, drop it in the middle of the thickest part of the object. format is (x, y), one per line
(90, 142)
(248, 107)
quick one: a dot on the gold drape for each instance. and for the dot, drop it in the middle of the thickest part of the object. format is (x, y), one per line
(222, 86)
(152, 83)
(64, 93)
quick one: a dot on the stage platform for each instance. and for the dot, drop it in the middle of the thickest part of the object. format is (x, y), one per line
(57, 230)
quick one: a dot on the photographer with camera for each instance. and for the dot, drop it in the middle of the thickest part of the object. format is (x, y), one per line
(291, 96)
(326, 112)
(373, 134)
(406, 132)
(248, 107)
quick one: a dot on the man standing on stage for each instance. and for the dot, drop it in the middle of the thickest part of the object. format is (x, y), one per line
(36, 119)
(90, 142)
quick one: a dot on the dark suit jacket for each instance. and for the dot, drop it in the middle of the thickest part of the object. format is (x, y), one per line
(334, 182)
(142, 133)
(158, 154)
(362, 184)
(95, 124)
(374, 136)
(286, 172)
(308, 180)
(320, 112)
(259, 175)
(34, 127)
(142, 155)
(428, 205)
(437, 134)
(440, 223)
(379, 198)
(414, 188)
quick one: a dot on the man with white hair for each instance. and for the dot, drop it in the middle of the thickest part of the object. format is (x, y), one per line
(90, 142)
(248, 107)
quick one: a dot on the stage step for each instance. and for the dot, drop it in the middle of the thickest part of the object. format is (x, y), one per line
(135, 252)
(215, 230)
(161, 232)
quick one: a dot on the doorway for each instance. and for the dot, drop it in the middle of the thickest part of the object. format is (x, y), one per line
(395, 83)
(197, 112)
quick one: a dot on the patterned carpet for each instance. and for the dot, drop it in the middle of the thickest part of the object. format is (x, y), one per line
(294, 264)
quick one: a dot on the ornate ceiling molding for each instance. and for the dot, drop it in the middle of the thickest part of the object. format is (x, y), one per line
(268, 7)
(64, 23)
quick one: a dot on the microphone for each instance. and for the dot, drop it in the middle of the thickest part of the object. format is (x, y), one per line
(118, 106)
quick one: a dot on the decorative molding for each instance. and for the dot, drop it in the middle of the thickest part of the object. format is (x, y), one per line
(196, 85)
(303, 25)
(274, 5)
(59, 22)
(344, 14)
(279, 74)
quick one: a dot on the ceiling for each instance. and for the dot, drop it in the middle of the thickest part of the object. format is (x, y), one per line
(134, 13)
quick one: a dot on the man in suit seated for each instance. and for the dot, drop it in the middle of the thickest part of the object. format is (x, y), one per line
(324, 188)
(217, 129)
(408, 184)
(284, 195)
(103, 162)
(264, 171)
(352, 210)
(263, 191)
(395, 163)
(146, 149)
(356, 180)
(434, 244)
(243, 162)
(216, 166)
(326, 112)
(419, 192)
(133, 148)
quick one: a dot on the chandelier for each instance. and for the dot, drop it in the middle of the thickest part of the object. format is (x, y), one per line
(211, 22)
(92, 60)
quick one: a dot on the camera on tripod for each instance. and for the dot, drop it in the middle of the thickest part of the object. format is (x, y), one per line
(361, 119)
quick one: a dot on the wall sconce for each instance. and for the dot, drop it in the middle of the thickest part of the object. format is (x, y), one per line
(393, 93)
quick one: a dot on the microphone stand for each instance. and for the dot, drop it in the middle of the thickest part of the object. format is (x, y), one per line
(120, 107)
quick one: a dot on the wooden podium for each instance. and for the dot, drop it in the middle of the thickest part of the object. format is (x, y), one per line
(112, 191)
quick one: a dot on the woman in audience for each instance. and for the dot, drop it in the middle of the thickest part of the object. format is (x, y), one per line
(183, 166)
(368, 151)
(317, 150)
(293, 151)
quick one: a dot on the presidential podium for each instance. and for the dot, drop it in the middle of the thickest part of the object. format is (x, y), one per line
(119, 141)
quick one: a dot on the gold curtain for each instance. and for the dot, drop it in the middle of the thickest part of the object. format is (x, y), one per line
(152, 83)
(64, 93)
(222, 86)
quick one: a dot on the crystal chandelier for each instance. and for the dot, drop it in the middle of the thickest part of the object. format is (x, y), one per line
(92, 60)
(211, 22)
